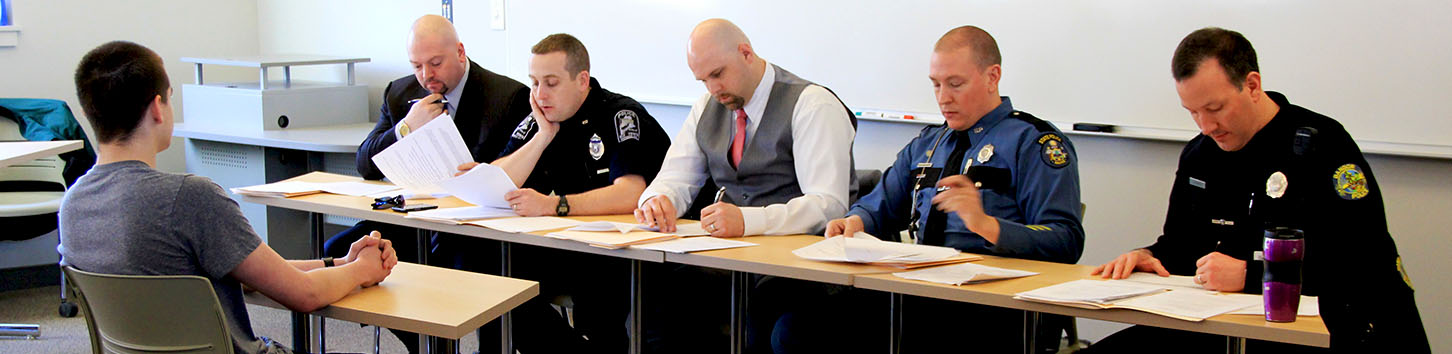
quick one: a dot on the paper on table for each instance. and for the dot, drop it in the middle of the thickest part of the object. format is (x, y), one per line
(694, 244)
(1173, 280)
(1092, 291)
(419, 161)
(1194, 305)
(484, 185)
(683, 230)
(963, 273)
(279, 189)
(691, 229)
(1310, 306)
(526, 224)
(863, 248)
(356, 189)
(460, 214)
(613, 240)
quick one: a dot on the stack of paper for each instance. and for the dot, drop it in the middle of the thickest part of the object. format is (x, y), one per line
(683, 230)
(959, 274)
(1310, 306)
(694, 244)
(460, 215)
(864, 248)
(425, 162)
(1179, 303)
(288, 189)
(525, 224)
(612, 239)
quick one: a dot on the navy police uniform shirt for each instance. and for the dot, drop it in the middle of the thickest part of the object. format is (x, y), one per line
(1302, 170)
(610, 136)
(1030, 183)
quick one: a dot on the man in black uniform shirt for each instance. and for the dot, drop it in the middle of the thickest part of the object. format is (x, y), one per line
(1262, 162)
(583, 151)
(483, 105)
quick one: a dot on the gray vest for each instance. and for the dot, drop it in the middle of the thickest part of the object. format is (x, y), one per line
(767, 173)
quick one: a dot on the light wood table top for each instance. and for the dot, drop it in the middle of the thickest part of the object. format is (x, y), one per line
(435, 301)
(773, 256)
(13, 152)
(359, 207)
(1305, 331)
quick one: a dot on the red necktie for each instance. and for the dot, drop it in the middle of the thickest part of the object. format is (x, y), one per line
(739, 143)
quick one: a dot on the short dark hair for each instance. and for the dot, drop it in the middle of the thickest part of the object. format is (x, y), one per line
(985, 49)
(116, 82)
(1230, 48)
(577, 59)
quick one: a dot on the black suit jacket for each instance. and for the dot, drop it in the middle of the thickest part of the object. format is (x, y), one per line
(491, 106)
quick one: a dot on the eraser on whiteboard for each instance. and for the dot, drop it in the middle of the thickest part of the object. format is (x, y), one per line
(1094, 127)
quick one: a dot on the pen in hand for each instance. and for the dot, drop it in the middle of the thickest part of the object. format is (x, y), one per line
(440, 101)
(720, 193)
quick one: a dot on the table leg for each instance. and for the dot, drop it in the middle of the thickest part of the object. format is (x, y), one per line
(1030, 332)
(637, 331)
(506, 322)
(300, 330)
(1234, 345)
(315, 246)
(894, 323)
(425, 342)
(740, 291)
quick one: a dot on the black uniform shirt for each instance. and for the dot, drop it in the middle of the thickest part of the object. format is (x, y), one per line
(1223, 201)
(609, 137)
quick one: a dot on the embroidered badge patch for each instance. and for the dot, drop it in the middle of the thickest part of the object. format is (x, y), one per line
(525, 126)
(1053, 150)
(597, 146)
(626, 126)
(1350, 182)
(1275, 186)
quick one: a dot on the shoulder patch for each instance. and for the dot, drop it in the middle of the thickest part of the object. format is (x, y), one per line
(1041, 125)
(522, 130)
(1052, 150)
(1350, 182)
(627, 126)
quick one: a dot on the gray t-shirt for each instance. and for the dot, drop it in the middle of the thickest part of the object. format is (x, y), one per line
(127, 218)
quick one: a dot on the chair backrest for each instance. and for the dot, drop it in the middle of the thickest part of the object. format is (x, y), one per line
(150, 314)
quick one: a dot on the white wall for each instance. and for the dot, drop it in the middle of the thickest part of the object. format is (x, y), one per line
(1125, 182)
(55, 34)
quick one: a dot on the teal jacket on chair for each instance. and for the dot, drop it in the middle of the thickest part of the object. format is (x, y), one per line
(46, 120)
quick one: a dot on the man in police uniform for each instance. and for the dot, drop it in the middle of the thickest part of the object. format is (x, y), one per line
(992, 181)
(1262, 162)
(584, 151)
(483, 105)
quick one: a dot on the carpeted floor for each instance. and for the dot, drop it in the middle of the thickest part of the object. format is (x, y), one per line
(68, 335)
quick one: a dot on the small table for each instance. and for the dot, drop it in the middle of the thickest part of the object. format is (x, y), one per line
(1305, 331)
(13, 152)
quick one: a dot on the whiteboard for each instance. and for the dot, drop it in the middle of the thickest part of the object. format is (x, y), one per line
(1379, 67)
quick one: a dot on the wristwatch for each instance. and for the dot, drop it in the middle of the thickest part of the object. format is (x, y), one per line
(403, 129)
(564, 207)
(327, 262)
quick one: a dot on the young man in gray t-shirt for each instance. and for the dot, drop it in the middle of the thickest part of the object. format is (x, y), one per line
(125, 217)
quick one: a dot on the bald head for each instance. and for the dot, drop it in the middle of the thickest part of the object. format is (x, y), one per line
(433, 29)
(984, 48)
(715, 36)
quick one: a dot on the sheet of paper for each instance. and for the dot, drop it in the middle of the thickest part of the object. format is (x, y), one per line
(1095, 291)
(1192, 304)
(963, 273)
(864, 248)
(614, 239)
(1173, 280)
(694, 244)
(429, 155)
(691, 229)
(278, 188)
(526, 224)
(1310, 306)
(462, 213)
(357, 189)
(484, 185)
(682, 229)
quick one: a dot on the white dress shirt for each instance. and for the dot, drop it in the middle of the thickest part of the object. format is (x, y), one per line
(822, 147)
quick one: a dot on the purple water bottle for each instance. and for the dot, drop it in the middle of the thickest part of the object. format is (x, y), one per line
(1281, 283)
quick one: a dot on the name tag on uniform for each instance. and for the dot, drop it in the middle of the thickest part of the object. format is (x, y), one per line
(602, 171)
(927, 177)
(1197, 182)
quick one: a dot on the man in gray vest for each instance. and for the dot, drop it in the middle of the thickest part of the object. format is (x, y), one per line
(780, 148)
(778, 145)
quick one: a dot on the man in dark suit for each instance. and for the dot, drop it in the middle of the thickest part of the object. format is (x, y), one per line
(485, 106)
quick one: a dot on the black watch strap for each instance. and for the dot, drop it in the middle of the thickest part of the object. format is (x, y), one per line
(564, 208)
(327, 261)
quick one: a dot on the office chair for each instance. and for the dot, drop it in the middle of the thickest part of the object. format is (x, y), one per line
(150, 314)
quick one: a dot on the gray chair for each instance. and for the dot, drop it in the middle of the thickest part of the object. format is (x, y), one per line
(866, 181)
(150, 314)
